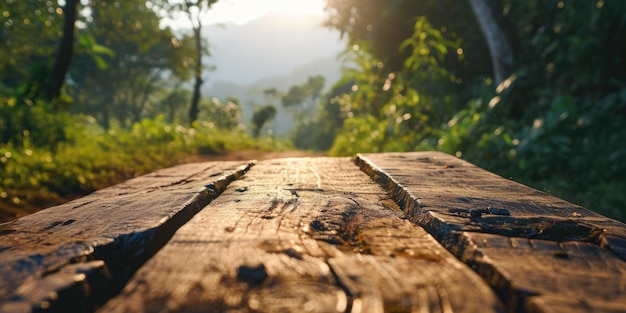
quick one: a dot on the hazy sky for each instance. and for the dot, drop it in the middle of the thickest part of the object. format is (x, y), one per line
(242, 11)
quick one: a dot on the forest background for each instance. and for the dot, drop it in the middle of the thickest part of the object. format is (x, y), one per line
(95, 92)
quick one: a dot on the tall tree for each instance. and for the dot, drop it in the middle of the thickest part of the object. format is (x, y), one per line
(192, 9)
(262, 115)
(500, 49)
(196, 26)
(64, 54)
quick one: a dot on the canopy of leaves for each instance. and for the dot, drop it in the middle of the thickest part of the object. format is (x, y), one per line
(28, 36)
(144, 54)
(298, 95)
(421, 80)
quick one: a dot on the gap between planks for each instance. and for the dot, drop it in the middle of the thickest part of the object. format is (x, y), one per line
(303, 235)
(72, 257)
(534, 249)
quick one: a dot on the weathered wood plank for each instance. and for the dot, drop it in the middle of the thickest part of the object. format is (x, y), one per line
(532, 248)
(303, 235)
(561, 304)
(43, 255)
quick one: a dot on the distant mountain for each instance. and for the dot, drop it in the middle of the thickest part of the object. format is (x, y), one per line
(251, 95)
(272, 45)
(274, 51)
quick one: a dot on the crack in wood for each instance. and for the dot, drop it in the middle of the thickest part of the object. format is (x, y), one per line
(345, 304)
(115, 256)
(533, 249)
(545, 228)
(491, 220)
(323, 250)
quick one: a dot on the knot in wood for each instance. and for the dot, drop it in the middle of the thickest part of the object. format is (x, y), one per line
(252, 275)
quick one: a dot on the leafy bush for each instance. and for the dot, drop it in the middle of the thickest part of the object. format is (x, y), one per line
(556, 124)
(222, 114)
(26, 121)
(573, 149)
(261, 116)
(396, 111)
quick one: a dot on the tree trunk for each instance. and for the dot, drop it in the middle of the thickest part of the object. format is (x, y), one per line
(64, 55)
(172, 101)
(195, 98)
(500, 48)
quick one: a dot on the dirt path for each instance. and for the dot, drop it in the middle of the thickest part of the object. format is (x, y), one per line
(244, 155)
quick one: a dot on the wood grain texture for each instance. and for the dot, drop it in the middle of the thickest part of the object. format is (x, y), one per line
(303, 235)
(75, 255)
(562, 304)
(534, 249)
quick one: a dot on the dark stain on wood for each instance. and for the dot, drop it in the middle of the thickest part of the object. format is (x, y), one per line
(252, 275)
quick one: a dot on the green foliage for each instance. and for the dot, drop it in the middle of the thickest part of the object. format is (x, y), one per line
(96, 51)
(123, 61)
(386, 24)
(29, 35)
(223, 115)
(567, 106)
(171, 101)
(556, 124)
(396, 110)
(318, 133)
(32, 177)
(295, 96)
(572, 150)
(24, 123)
(109, 124)
(300, 98)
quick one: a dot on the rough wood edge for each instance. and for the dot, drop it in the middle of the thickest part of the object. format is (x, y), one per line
(96, 270)
(452, 236)
(410, 205)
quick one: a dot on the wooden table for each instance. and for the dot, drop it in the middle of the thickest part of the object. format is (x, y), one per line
(394, 232)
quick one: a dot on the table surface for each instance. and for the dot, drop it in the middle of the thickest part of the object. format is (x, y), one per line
(389, 232)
